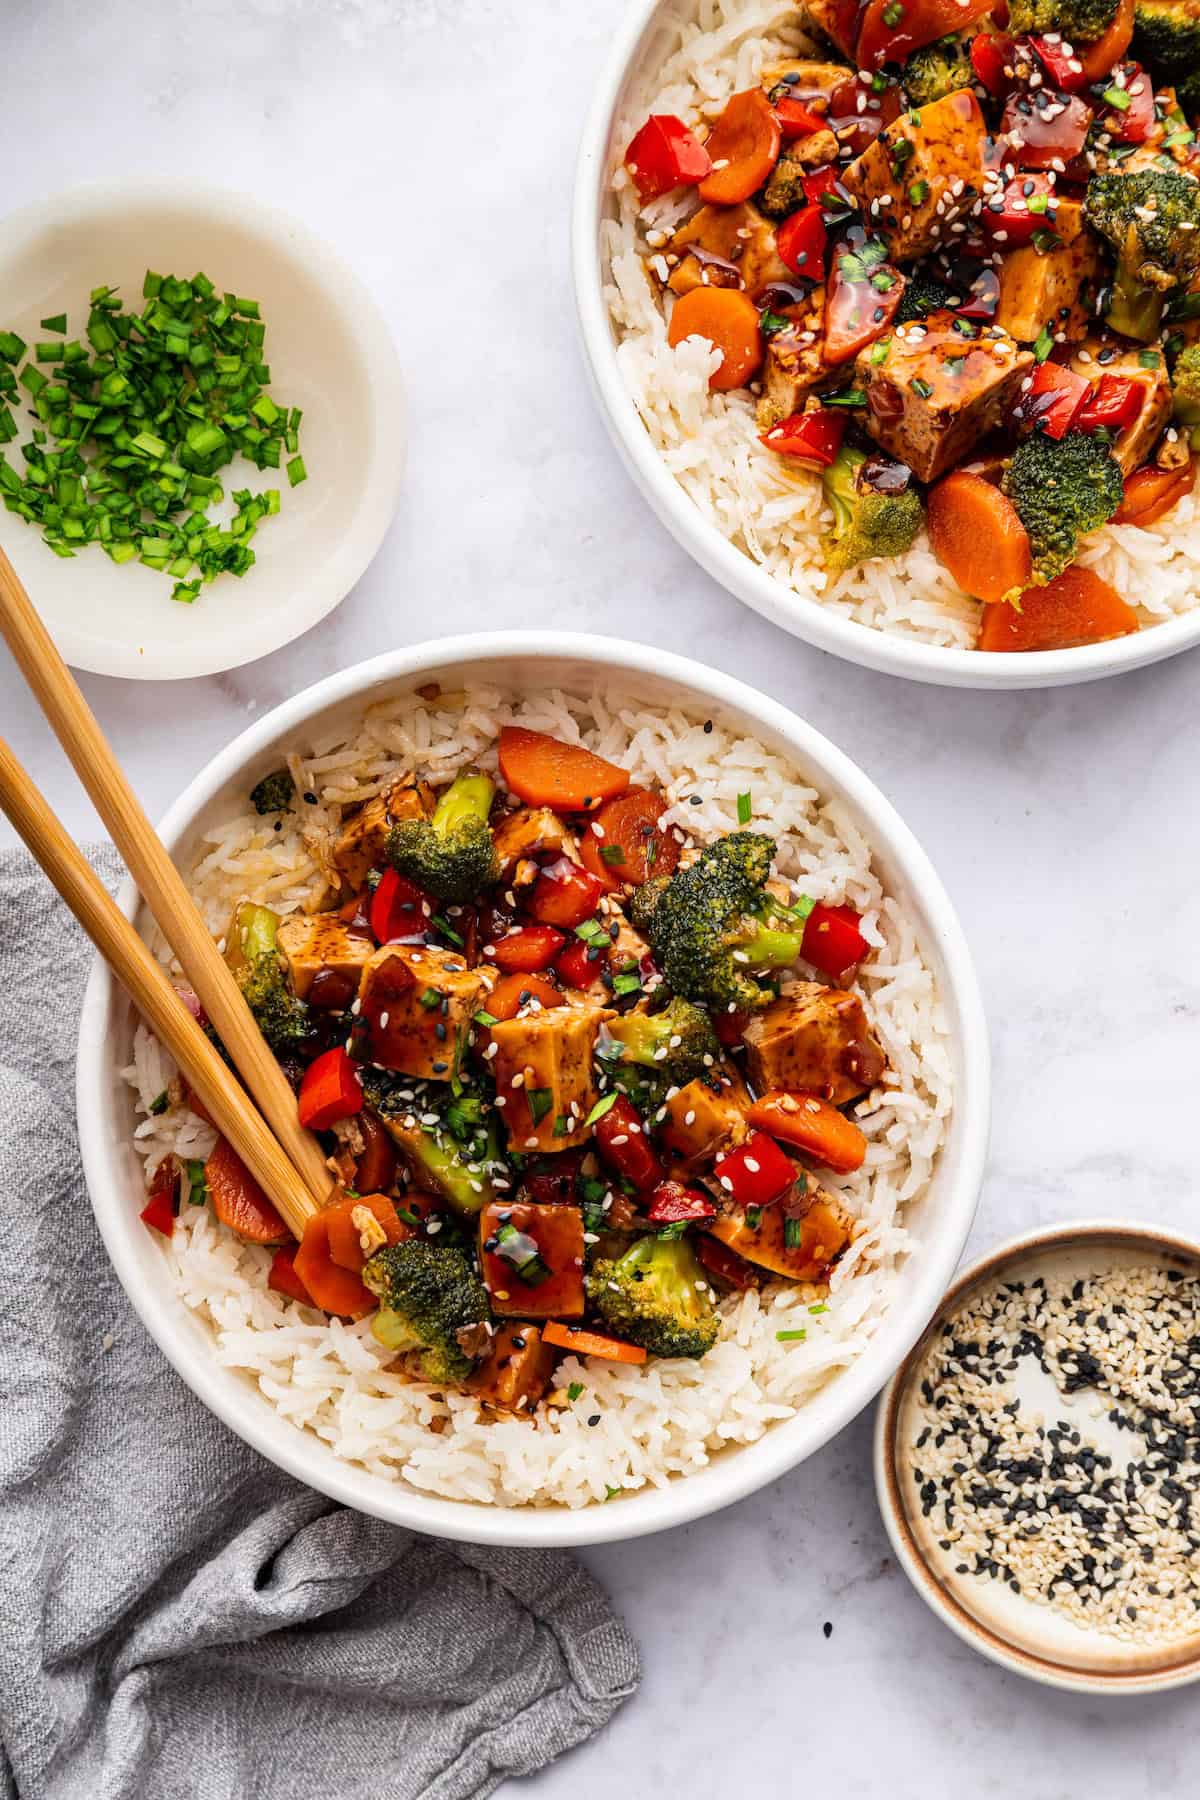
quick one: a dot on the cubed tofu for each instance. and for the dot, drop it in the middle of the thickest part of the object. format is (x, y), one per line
(937, 391)
(416, 1005)
(837, 20)
(943, 166)
(1097, 358)
(363, 840)
(817, 1039)
(529, 832)
(825, 1230)
(531, 1260)
(704, 1121)
(727, 246)
(545, 1083)
(806, 77)
(318, 945)
(784, 189)
(1052, 287)
(793, 367)
(516, 1371)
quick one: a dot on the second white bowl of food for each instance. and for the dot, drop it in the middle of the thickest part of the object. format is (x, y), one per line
(614, 1451)
(751, 521)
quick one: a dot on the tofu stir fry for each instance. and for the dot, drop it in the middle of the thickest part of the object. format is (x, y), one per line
(954, 254)
(578, 1076)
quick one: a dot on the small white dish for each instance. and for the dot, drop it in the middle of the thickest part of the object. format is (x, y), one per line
(330, 353)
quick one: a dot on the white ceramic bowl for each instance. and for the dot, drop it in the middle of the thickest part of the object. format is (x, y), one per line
(114, 1172)
(627, 84)
(330, 352)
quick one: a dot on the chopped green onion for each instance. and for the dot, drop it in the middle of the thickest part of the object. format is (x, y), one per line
(612, 853)
(791, 1337)
(918, 193)
(754, 1217)
(592, 932)
(1043, 344)
(1044, 241)
(197, 1182)
(486, 1018)
(601, 1107)
(854, 396)
(793, 1234)
(920, 386)
(57, 323)
(574, 1391)
(440, 921)
(879, 352)
(629, 983)
(296, 471)
(819, 1308)
(430, 998)
(540, 1102)
(1148, 359)
(743, 809)
(158, 1105)
(1117, 97)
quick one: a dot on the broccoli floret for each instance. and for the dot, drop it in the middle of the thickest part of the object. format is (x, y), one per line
(273, 793)
(785, 190)
(1061, 489)
(253, 954)
(1185, 390)
(866, 522)
(452, 856)
(1152, 221)
(1080, 21)
(430, 1298)
(715, 929)
(937, 70)
(449, 1142)
(924, 294)
(1167, 34)
(673, 1043)
(650, 1296)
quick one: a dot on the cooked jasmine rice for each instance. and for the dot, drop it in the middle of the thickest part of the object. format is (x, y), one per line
(768, 509)
(625, 1427)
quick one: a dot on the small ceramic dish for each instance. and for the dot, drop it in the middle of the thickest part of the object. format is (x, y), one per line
(1032, 1638)
(330, 353)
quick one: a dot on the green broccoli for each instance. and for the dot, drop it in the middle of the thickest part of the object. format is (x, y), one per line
(656, 1296)
(924, 294)
(252, 953)
(713, 926)
(784, 191)
(1166, 33)
(273, 793)
(450, 1143)
(1152, 221)
(431, 1300)
(936, 70)
(677, 1042)
(866, 522)
(1185, 390)
(1061, 488)
(1080, 21)
(452, 856)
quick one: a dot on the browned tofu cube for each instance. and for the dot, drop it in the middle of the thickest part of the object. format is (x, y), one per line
(825, 1230)
(702, 1121)
(325, 958)
(836, 21)
(531, 1260)
(415, 1009)
(938, 390)
(784, 190)
(543, 1070)
(516, 1371)
(1050, 287)
(363, 840)
(793, 367)
(521, 836)
(727, 246)
(1097, 358)
(814, 1040)
(807, 78)
(922, 173)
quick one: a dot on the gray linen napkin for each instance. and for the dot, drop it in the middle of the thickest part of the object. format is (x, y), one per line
(177, 1617)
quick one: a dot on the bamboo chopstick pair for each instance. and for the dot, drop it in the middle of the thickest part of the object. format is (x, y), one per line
(284, 1159)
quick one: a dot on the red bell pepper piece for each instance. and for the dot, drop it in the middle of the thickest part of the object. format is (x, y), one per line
(673, 1204)
(1024, 207)
(623, 1144)
(1113, 404)
(757, 1172)
(893, 29)
(330, 1090)
(1150, 493)
(992, 59)
(526, 950)
(1045, 128)
(813, 437)
(159, 1210)
(823, 188)
(725, 1263)
(802, 241)
(797, 120)
(983, 298)
(1130, 99)
(1061, 64)
(398, 909)
(283, 1277)
(832, 941)
(664, 155)
(861, 296)
(729, 1027)
(1052, 399)
(564, 894)
(580, 964)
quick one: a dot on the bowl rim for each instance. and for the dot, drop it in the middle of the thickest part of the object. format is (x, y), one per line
(1071, 1234)
(380, 494)
(887, 652)
(729, 1477)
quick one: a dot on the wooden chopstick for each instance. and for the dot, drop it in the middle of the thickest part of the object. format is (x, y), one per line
(145, 981)
(157, 878)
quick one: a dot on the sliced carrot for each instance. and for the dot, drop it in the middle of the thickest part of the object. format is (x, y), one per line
(744, 147)
(505, 1000)
(283, 1277)
(1149, 493)
(543, 771)
(630, 845)
(591, 1343)
(728, 318)
(1098, 58)
(345, 1237)
(238, 1201)
(334, 1289)
(976, 533)
(1076, 608)
(812, 1125)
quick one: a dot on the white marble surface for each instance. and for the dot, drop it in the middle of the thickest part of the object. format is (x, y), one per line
(432, 143)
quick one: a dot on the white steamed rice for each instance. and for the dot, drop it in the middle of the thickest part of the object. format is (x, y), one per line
(709, 441)
(666, 1418)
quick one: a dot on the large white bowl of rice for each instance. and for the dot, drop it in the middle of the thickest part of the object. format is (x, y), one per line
(754, 524)
(636, 1448)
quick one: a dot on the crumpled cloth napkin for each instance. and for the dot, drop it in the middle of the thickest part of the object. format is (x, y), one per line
(177, 1617)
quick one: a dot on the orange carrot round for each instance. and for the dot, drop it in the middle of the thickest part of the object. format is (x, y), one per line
(591, 1343)
(1150, 493)
(744, 147)
(1076, 608)
(976, 533)
(728, 318)
(630, 847)
(345, 1237)
(238, 1201)
(542, 771)
(334, 1289)
(812, 1125)
(505, 1002)
(283, 1277)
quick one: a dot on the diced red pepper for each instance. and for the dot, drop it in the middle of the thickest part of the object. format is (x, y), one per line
(1014, 221)
(802, 241)
(283, 1277)
(580, 964)
(398, 909)
(1052, 400)
(729, 1027)
(330, 1090)
(813, 437)
(525, 951)
(893, 29)
(1130, 100)
(983, 297)
(1114, 404)
(1060, 62)
(1045, 128)
(822, 187)
(564, 894)
(159, 1210)
(551, 1181)
(725, 1263)
(832, 941)
(991, 58)
(757, 1172)
(673, 1204)
(797, 120)
(664, 155)
(861, 297)
(623, 1144)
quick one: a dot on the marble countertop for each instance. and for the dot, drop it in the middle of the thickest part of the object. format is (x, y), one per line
(1060, 821)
